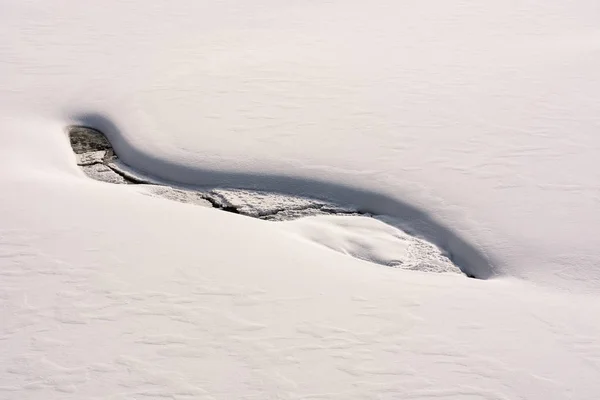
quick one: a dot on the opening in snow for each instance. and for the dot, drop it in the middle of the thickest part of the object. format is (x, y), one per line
(369, 236)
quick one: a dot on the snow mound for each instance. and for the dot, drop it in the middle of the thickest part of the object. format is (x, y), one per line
(373, 240)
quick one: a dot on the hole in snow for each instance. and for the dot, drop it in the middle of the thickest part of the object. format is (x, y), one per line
(343, 229)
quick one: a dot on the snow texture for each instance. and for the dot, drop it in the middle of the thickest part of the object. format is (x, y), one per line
(470, 124)
(373, 240)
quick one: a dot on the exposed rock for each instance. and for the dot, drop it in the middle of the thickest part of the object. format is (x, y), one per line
(92, 157)
(98, 160)
(85, 140)
(266, 205)
(182, 196)
(103, 173)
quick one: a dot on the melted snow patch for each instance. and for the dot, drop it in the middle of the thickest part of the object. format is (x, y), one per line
(372, 240)
(343, 229)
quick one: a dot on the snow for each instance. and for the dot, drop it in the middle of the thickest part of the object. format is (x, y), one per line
(372, 240)
(117, 295)
(482, 114)
(470, 124)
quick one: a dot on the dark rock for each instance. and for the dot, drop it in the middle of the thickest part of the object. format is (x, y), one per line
(85, 140)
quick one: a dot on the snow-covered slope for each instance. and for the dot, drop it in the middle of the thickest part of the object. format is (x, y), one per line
(107, 293)
(481, 113)
(473, 124)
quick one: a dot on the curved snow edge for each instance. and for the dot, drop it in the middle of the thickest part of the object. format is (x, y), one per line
(468, 257)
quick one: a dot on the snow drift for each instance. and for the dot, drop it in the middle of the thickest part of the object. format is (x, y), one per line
(474, 124)
(481, 114)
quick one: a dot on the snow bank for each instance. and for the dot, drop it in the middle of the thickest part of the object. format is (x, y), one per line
(483, 115)
(473, 123)
(110, 294)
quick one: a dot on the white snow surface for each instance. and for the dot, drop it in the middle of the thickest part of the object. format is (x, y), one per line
(483, 114)
(474, 123)
(372, 240)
